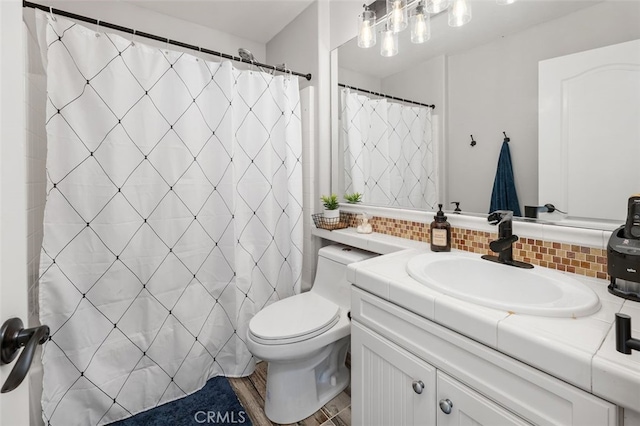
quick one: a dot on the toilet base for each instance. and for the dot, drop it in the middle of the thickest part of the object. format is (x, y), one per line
(296, 389)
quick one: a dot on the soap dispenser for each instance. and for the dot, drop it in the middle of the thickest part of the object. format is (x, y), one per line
(440, 232)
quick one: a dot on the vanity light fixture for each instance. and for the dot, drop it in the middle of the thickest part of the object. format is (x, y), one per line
(420, 24)
(459, 13)
(397, 12)
(396, 20)
(389, 43)
(367, 28)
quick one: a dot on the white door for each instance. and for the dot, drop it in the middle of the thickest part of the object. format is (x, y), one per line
(14, 406)
(389, 386)
(589, 132)
(462, 406)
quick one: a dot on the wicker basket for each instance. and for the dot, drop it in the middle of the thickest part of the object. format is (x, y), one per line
(330, 223)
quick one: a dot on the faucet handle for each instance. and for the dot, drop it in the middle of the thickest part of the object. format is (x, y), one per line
(499, 216)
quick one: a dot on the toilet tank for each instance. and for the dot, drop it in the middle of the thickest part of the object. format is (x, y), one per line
(331, 275)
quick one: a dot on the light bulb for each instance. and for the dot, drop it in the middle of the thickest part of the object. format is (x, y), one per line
(366, 28)
(389, 44)
(437, 6)
(397, 11)
(459, 13)
(365, 38)
(420, 25)
(503, 2)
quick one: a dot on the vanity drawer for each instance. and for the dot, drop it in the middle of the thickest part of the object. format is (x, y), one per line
(524, 390)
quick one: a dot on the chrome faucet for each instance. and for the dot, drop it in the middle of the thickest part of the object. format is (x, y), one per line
(504, 244)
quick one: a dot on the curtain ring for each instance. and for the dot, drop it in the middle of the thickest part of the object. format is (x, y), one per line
(53, 18)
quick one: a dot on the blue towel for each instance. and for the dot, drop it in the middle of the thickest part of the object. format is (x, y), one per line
(504, 195)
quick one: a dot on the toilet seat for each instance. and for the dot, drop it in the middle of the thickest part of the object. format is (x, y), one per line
(294, 319)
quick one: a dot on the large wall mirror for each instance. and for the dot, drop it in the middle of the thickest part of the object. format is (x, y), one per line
(483, 79)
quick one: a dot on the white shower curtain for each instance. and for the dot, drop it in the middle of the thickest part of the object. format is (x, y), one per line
(389, 151)
(173, 215)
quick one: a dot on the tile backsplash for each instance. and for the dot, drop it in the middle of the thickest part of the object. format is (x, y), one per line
(577, 259)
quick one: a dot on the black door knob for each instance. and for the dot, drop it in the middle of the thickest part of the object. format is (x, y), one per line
(12, 337)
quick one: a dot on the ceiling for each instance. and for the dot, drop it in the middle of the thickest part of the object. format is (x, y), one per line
(255, 20)
(489, 22)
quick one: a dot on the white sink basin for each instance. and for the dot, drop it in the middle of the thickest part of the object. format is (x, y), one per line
(538, 291)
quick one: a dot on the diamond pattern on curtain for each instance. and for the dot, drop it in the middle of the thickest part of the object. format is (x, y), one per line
(173, 215)
(388, 151)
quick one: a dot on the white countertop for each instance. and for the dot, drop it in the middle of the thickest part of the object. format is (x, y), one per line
(580, 351)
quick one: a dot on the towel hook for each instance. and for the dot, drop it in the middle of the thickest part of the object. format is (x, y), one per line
(473, 143)
(506, 138)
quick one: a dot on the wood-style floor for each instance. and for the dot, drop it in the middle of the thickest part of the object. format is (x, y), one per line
(251, 391)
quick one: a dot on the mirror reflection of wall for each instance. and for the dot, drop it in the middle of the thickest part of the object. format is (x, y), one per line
(483, 79)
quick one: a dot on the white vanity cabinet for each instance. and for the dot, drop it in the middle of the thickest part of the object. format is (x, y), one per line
(395, 352)
(397, 388)
(461, 405)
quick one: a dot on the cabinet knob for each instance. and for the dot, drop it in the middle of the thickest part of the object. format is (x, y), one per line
(446, 405)
(418, 386)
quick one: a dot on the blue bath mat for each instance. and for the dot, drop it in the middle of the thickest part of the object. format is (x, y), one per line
(215, 404)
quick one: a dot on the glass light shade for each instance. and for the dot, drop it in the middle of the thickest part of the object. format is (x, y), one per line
(420, 25)
(397, 12)
(389, 43)
(367, 29)
(502, 2)
(459, 13)
(437, 6)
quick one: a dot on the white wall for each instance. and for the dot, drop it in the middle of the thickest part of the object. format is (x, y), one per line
(141, 19)
(424, 83)
(297, 45)
(362, 81)
(36, 181)
(343, 20)
(494, 88)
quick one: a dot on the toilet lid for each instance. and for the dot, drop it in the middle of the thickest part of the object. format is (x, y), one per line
(295, 317)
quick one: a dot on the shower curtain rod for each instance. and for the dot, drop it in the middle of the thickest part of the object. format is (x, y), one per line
(158, 38)
(387, 96)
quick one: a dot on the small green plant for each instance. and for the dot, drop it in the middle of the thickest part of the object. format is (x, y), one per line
(330, 202)
(356, 197)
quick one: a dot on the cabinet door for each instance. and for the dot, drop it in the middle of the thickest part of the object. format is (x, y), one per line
(459, 405)
(389, 386)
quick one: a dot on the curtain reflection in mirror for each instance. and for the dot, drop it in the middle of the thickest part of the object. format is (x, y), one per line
(389, 151)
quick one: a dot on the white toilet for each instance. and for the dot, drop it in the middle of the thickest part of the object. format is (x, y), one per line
(305, 339)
